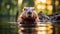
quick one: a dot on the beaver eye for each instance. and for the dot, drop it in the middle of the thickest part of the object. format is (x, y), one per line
(25, 9)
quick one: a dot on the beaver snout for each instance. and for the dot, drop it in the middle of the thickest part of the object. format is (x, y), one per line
(29, 13)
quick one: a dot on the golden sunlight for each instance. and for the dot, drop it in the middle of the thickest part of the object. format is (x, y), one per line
(44, 28)
(39, 6)
(43, 1)
(20, 2)
(41, 32)
(49, 7)
(56, 2)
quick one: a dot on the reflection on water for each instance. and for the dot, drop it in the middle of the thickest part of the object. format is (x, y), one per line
(7, 26)
(43, 28)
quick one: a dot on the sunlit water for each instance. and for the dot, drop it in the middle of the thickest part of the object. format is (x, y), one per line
(42, 28)
(8, 26)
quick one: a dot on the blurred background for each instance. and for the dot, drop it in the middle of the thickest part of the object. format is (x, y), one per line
(10, 9)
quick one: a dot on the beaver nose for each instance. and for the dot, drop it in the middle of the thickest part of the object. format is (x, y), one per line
(29, 13)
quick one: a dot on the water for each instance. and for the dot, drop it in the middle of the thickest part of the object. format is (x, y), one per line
(9, 26)
(43, 28)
